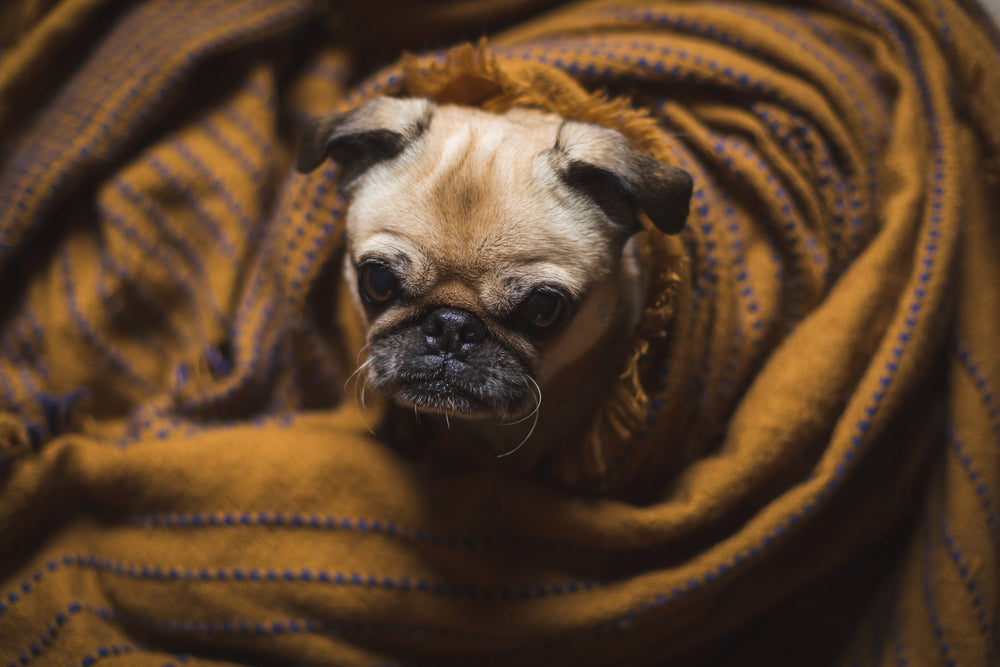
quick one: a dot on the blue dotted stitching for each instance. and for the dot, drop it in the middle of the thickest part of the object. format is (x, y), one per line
(238, 119)
(145, 207)
(111, 116)
(930, 605)
(260, 345)
(857, 440)
(69, 98)
(89, 333)
(33, 338)
(969, 582)
(44, 640)
(898, 646)
(870, 153)
(194, 204)
(109, 651)
(324, 577)
(251, 167)
(982, 384)
(982, 491)
(6, 384)
(111, 266)
(206, 175)
(25, 372)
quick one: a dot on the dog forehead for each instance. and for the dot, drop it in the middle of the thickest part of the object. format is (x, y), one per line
(480, 187)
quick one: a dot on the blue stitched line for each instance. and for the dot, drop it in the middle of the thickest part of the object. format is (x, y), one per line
(91, 97)
(90, 334)
(981, 489)
(142, 204)
(322, 234)
(857, 440)
(252, 167)
(898, 645)
(931, 604)
(795, 237)
(146, 208)
(870, 155)
(969, 582)
(34, 338)
(750, 326)
(166, 426)
(982, 384)
(107, 119)
(831, 183)
(6, 384)
(195, 204)
(29, 383)
(400, 584)
(218, 186)
(109, 651)
(943, 26)
(384, 82)
(115, 307)
(238, 118)
(929, 247)
(178, 660)
(730, 145)
(267, 301)
(37, 647)
(229, 627)
(795, 223)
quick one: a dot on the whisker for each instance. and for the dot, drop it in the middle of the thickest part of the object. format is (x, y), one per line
(353, 375)
(361, 373)
(364, 348)
(535, 412)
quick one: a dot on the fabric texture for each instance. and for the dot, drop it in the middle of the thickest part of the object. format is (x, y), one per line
(798, 464)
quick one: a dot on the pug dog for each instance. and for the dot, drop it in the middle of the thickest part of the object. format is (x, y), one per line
(492, 259)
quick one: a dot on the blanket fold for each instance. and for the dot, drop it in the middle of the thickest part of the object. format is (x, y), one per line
(796, 464)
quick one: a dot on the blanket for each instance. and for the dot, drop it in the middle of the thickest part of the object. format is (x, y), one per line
(798, 462)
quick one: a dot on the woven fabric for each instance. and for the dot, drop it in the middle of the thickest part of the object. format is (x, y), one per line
(799, 462)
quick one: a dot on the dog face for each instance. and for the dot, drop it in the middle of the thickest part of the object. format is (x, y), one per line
(485, 251)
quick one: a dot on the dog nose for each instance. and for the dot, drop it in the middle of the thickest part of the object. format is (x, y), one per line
(450, 329)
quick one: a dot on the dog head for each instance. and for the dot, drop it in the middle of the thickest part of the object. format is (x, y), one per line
(485, 250)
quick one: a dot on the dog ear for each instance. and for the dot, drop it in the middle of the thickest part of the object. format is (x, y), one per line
(601, 163)
(377, 130)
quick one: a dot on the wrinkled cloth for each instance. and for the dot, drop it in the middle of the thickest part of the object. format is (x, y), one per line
(798, 463)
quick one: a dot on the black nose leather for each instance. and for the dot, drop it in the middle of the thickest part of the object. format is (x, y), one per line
(451, 329)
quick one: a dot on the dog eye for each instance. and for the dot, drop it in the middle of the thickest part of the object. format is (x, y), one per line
(377, 283)
(544, 308)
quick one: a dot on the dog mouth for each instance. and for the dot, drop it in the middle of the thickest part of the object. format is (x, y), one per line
(442, 384)
(443, 397)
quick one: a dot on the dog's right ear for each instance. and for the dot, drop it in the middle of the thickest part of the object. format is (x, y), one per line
(377, 130)
(603, 165)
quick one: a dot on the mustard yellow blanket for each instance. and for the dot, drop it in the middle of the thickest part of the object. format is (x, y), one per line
(798, 465)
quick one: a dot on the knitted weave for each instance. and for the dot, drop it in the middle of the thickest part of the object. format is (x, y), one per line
(798, 463)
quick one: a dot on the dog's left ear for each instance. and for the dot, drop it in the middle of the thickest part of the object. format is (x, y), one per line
(603, 165)
(377, 130)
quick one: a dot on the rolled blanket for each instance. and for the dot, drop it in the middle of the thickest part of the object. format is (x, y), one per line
(797, 463)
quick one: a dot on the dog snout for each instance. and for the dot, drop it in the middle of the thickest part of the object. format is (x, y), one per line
(452, 330)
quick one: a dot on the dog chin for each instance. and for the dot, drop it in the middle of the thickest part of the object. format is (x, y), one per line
(443, 398)
(437, 397)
